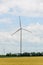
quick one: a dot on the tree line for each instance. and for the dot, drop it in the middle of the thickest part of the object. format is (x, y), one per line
(25, 54)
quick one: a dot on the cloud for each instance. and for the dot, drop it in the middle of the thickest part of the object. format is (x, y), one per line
(37, 33)
(8, 43)
(3, 9)
(22, 7)
(5, 20)
(5, 37)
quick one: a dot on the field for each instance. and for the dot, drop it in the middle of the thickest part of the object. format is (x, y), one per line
(22, 61)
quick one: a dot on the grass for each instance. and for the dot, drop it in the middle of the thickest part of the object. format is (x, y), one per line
(22, 61)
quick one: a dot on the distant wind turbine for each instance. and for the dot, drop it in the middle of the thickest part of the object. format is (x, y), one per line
(20, 29)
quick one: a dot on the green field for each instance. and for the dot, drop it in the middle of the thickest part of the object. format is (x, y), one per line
(22, 61)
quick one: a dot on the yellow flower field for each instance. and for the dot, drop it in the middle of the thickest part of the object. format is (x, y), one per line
(22, 61)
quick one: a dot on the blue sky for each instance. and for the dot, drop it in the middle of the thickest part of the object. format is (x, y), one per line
(31, 14)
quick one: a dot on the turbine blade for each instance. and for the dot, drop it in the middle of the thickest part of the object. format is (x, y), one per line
(15, 32)
(27, 30)
(20, 21)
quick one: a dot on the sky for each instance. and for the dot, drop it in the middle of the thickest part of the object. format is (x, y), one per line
(31, 15)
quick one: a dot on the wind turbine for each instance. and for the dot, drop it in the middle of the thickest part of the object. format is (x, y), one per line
(4, 51)
(20, 29)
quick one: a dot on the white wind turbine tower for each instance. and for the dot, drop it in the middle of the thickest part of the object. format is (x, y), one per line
(20, 29)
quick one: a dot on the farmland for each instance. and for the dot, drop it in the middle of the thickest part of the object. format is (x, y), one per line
(22, 61)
